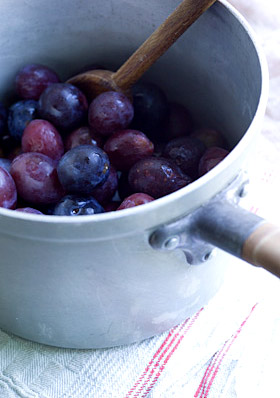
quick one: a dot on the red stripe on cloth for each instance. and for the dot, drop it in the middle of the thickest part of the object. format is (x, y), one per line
(169, 356)
(161, 348)
(160, 353)
(171, 342)
(214, 365)
(208, 371)
(226, 349)
(214, 368)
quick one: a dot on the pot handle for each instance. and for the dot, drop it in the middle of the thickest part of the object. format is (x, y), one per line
(241, 233)
(262, 248)
(227, 226)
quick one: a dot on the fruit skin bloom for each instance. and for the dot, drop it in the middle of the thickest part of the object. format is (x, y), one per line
(126, 147)
(29, 210)
(109, 112)
(8, 192)
(213, 156)
(33, 79)
(20, 114)
(64, 105)
(83, 168)
(36, 178)
(156, 177)
(136, 199)
(41, 136)
(186, 153)
(76, 205)
(104, 192)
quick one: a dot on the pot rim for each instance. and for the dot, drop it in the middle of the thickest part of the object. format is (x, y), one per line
(140, 212)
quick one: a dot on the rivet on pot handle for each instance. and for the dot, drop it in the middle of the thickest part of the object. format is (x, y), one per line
(222, 223)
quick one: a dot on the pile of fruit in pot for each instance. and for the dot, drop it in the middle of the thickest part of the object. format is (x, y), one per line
(61, 155)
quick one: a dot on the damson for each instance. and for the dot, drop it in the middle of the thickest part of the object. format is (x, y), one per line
(36, 178)
(29, 210)
(109, 112)
(83, 136)
(104, 192)
(76, 205)
(32, 80)
(82, 168)
(64, 105)
(150, 108)
(156, 177)
(68, 157)
(20, 114)
(210, 159)
(41, 136)
(8, 192)
(126, 147)
(5, 164)
(186, 153)
(135, 199)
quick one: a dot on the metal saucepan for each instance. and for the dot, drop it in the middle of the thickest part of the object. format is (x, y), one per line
(98, 281)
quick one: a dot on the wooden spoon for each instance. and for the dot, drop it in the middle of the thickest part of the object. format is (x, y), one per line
(95, 82)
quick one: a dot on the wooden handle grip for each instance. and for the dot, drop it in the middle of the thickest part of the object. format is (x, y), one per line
(159, 42)
(262, 248)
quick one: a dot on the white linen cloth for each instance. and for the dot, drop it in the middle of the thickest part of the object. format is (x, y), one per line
(228, 349)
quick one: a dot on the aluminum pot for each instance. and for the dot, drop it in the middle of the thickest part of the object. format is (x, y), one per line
(99, 281)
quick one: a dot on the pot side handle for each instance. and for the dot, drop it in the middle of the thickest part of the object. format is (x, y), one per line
(226, 225)
(244, 234)
(239, 232)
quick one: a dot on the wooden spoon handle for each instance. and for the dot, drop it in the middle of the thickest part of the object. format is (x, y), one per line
(262, 248)
(159, 42)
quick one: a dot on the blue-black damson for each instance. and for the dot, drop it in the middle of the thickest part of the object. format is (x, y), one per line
(83, 168)
(150, 109)
(5, 164)
(64, 105)
(20, 114)
(76, 205)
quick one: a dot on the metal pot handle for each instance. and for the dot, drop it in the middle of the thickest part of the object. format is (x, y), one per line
(224, 224)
